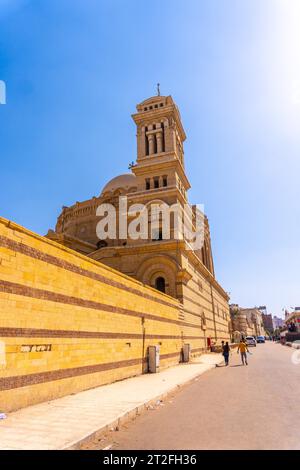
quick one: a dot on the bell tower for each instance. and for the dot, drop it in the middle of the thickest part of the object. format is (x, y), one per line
(160, 152)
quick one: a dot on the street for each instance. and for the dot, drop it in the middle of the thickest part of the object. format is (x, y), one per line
(236, 407)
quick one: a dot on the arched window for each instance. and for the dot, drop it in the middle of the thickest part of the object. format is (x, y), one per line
(160, 284)
(146, 141)
(163, 137)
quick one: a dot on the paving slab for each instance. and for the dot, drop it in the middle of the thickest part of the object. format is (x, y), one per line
(73, 420)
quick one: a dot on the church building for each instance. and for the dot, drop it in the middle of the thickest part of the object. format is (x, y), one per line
(169, 265)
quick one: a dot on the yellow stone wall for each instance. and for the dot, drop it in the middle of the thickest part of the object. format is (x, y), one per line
(207, 309)
(200, 296)
(68, 323)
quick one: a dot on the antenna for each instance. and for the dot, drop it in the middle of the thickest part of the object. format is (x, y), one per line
(158, 90)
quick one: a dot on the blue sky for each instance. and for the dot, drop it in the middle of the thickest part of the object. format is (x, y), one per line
(74, 71)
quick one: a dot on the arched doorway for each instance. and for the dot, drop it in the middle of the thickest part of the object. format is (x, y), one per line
(160, 284)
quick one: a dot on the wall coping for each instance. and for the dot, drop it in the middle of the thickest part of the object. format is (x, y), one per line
(14, 226)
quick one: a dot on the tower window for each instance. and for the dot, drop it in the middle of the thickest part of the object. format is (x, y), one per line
(147, 183)
(154, 139)
(161, 104)
(160, 284)
(163, 136)
(156, 182)
(165, 181)
(146, 142)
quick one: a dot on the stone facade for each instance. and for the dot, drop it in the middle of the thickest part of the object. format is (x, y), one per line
(292, 321)
(246, 322)
(268, 322)
(277, 322)
(69, 323)
(158, 175)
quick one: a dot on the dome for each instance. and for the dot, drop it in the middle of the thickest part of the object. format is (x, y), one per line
(126, 181)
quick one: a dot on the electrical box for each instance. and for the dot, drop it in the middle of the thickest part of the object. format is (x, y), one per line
(186, 350)
(153, 358)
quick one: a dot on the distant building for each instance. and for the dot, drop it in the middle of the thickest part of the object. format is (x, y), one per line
(263, 309)
(286, 314)
(293, 321)
(254, 321)
(277, 322)
(246, 321)
(268, 322)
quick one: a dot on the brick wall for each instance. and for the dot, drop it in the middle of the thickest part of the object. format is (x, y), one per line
(68, 323)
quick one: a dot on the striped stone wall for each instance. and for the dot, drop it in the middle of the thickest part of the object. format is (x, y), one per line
(69, 323)
(206, 309)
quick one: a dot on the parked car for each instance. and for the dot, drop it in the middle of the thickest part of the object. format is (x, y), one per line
(250, 340)
(260, 339)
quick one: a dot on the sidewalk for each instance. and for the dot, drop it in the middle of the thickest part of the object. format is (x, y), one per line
(69, 422)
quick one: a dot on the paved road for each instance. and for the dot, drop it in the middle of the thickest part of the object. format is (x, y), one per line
(236, 407)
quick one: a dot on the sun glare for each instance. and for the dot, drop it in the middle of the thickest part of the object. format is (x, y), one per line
(286, 55)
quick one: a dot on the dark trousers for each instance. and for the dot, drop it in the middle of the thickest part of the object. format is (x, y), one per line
(226, 359)
(244, 357)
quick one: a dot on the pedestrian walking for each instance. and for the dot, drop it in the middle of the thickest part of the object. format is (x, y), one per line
(243, 349)
(226, 352)
(222, 347)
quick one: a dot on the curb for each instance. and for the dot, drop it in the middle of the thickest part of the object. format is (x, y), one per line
(131, 413)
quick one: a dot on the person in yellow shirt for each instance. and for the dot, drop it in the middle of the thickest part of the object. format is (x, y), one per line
(243, 349)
